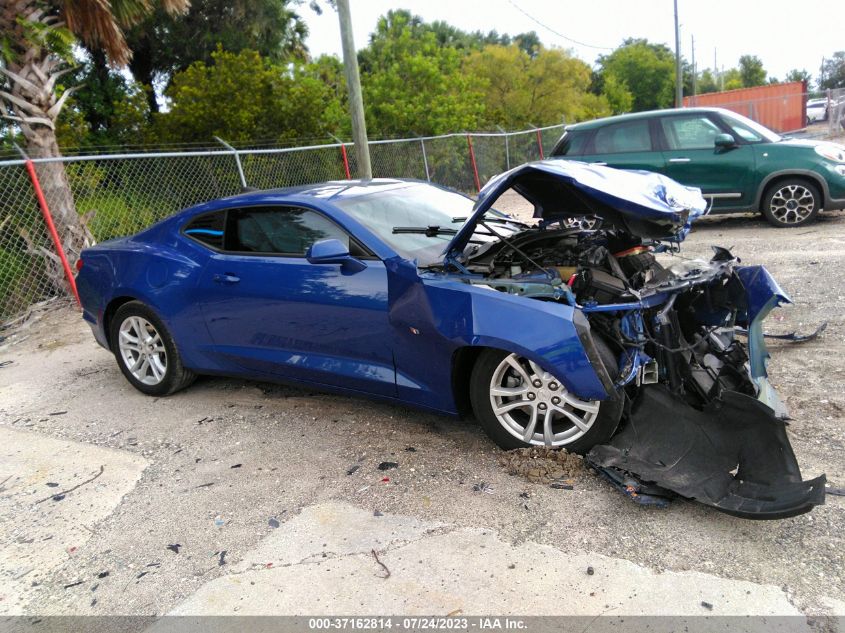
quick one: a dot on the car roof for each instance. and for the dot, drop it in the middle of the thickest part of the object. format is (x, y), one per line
(330, 190)
(634, 116)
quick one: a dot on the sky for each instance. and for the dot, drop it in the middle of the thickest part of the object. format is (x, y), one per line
(784, 35)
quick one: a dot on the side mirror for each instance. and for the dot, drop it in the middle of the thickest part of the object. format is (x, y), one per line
(724, 141)
(333, 251)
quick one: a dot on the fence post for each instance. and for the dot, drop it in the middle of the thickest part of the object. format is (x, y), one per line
(51, 227)
(425, 160)
(344, 156)
(237, 160)
(474, 166)
(507, 148)
(540, 144)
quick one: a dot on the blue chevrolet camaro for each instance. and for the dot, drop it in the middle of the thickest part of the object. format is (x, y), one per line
(552, 335)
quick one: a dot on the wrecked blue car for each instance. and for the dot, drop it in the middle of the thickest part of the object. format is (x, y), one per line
(549, 333)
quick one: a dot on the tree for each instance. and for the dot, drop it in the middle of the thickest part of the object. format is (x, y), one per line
(166, 43)
(36, 46)
(707, 82)
(833, 72)
(246, 97)
(645, 70)
(751, 71)
(412, 85)
(520, 90)
(798, 75)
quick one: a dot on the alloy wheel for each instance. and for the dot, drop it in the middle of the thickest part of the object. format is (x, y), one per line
(792, 204)
(533, 405)
(142, 350)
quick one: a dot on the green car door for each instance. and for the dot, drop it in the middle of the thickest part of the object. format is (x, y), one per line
(698, 153)
(624, 145)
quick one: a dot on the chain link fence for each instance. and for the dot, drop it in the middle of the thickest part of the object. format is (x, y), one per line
(118, 195)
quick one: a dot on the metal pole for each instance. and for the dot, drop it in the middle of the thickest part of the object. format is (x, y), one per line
(237, 160)
(425, 160)
(679, 85)
(473, 163)
(343, 155)
(51, 226)
(353, 83)
(694, 71)
(507, 148)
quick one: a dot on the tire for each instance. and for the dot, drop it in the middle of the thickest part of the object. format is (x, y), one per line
(792, 202)
(507, 430)
(145, 351)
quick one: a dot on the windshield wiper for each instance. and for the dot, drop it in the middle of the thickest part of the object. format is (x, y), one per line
(428, 231)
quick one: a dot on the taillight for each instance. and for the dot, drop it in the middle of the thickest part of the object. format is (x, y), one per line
(79, 263)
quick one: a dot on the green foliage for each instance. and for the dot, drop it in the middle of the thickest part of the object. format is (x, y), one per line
(732, 79)
(520, 90)
(751, 71)
(645, 70)
(833, 72)
(411, 84)
(243, 97)
(707, 82)
(798, 75)
(165, 44)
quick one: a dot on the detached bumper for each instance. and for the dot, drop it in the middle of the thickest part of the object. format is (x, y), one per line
(734, 456)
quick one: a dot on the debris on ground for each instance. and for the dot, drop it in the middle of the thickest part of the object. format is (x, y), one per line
(61, 495)
(388, 465)
(707, 605)
(273, 522)
(590, 571)
(483, 487)
(543, 465)
(174, 547)
(383, 566)
(838, 492)
(376, 513)
(351, 470)
(222, 560)
(410, 449)
(563, 485)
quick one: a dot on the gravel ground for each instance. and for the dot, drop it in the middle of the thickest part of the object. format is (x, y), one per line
(227, 457)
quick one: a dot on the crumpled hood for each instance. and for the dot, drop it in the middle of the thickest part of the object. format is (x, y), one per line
(641, 203)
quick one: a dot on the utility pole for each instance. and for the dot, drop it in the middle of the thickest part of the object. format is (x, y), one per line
(353, 83)
(694, 71)
(679, 84)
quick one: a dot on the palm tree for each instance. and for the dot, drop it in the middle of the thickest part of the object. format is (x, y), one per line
(36, 41)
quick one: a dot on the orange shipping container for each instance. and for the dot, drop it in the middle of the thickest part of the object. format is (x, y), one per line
(780, 107)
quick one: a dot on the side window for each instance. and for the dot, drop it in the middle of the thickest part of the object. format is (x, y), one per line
(281, 230)
(631, 136)
(690, 132)
(207, 229)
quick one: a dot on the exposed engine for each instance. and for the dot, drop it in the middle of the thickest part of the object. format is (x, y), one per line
(673, 325)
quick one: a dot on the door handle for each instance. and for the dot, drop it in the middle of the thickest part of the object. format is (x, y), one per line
(226, 278)
(679, 160)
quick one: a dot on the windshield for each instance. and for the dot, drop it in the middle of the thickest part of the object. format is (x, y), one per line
(412, 206)
(750, 131)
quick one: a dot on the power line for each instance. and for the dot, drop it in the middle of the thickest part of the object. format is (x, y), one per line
(551, 30)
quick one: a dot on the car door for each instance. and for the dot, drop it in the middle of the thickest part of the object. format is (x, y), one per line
(723, 174)
(624, 145)
(269, 310)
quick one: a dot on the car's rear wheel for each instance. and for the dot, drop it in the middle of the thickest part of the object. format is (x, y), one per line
(792, 202)
(145, 351)
(519, 404)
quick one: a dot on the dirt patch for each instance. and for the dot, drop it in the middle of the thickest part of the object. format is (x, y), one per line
(542, 465)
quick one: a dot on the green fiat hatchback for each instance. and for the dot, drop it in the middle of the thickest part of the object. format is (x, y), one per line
(738, 164)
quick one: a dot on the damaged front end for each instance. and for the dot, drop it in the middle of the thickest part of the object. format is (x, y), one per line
(701, 419)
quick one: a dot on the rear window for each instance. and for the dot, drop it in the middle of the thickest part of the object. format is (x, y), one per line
(631, 136)
(208, 229)
(571, 144)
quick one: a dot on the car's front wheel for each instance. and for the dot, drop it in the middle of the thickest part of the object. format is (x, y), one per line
(519, 404)
(793, 202)
(146, 352)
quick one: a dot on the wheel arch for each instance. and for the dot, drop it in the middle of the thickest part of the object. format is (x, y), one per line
(110, 310)
(779, 176)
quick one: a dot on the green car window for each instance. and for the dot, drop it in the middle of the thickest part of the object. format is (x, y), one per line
(690, 132)
(631, 136)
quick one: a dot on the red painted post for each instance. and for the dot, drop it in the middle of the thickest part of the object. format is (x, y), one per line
(345, 161)
(540, 144)
(474, 166)
(51, 228)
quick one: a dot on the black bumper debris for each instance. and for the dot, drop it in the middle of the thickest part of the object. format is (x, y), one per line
(734, 455)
